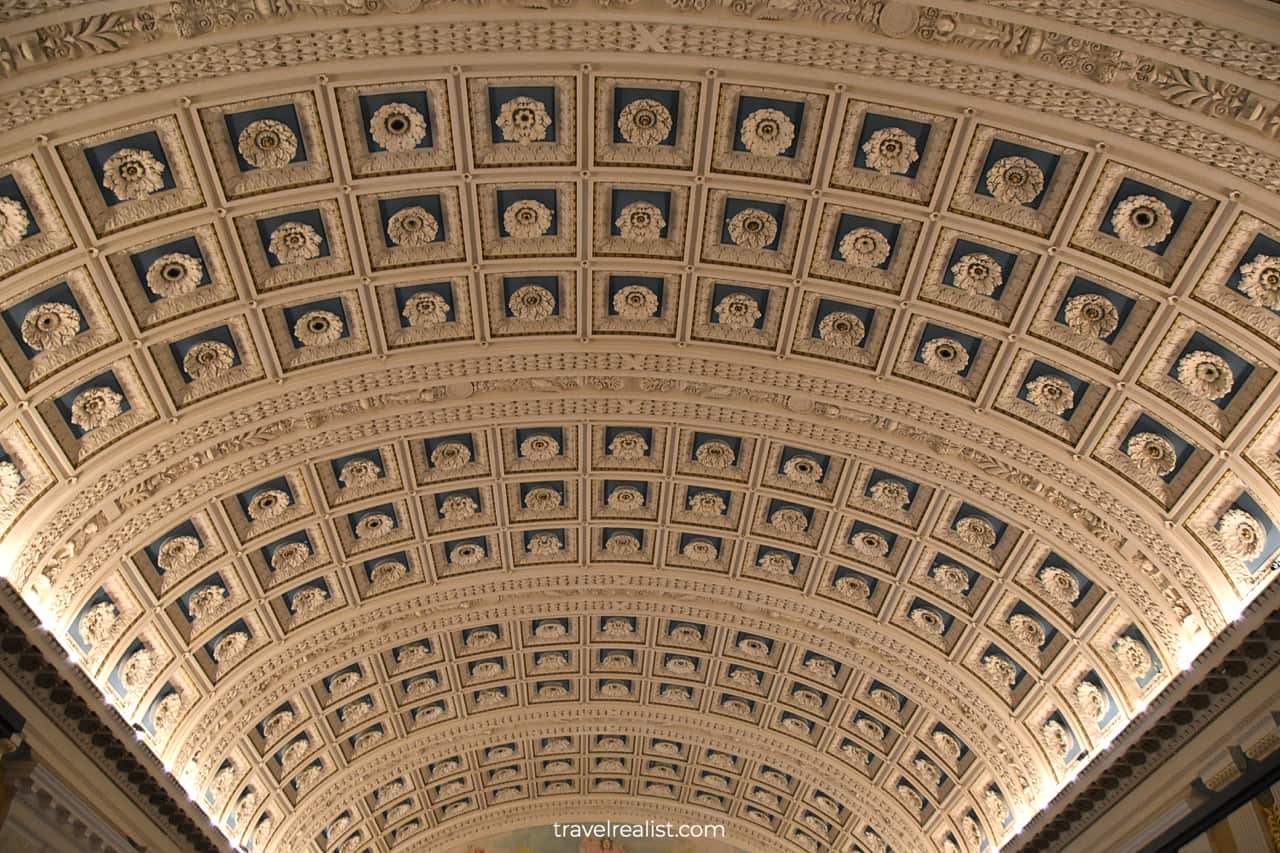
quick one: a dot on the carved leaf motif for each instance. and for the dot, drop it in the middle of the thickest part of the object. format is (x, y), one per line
(1185, 88)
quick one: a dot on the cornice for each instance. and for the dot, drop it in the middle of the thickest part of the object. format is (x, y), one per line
(1232, 664)
(103, 736)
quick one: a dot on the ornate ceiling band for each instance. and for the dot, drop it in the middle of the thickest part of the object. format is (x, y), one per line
(577, 396)
(911, 667)
(1255, 114)
(693, 732)
(911, 438)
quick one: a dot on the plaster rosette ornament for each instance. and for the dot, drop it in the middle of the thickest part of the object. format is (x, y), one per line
(890, 151)
(387, 574)
(398, 127)
(977, 273)
(466, 554)
(208, 360)
(928, 621)
(1152, 453)
(1092, 315)
(543, 544)
(706, 504)
(1205, 374)
(776, 564)
(945, 355)
(1059, 585)
(229, 649)
(803, 470)
(767, 132)
(290, 556)
(1091, 701)
(207, 602)
(715, 454)
(976, 531)
(94, 408)
(412, 226)
(864, 247)
(543, 499)
(1000, 674)
(628, 445)
(1132, 656)
(641, 221)
(890, 494)
(167, 713)
(14, 222)
(277, 726)
(318, 328)
(625, 499)
(523, 120)
(871, 544)
(700, 551)
(951, 579)
(294, 243)
(532, 302)
(309, 600)
(267, 144)
(635, 302)
(133, 174)
(853, 589)
(622, 545)
(1142, 220)
(355, 473)
(49, 326)
(645, 122)
(268, 504)
(1052, 395)
(1015, 180)
(1242, 536)
(137, 669)
(375, 525)
(738, 311)
(789, 520)
(1260, 279)
(177, 553)
(540, 447)
(425, 310)
(752, 228)
(841, 329)
(458, 507)
(99, 624)
(946, 745)
(450, 455)
(174, 274)
(995, 805)
(1028, 632)
(1056, 740)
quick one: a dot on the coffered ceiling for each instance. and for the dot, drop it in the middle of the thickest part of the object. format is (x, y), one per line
(838, 427)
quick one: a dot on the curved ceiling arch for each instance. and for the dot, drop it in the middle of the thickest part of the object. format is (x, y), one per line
(968, 386)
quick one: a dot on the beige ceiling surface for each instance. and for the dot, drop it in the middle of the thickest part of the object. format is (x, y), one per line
(837, 427)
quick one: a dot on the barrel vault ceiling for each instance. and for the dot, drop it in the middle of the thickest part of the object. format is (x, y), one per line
(835, 420)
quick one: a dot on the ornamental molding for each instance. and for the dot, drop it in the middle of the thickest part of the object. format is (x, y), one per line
(688, 727)
(1225, 671)
(912, 665)
(71, 701)
(1044, 482)
(938, 36)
